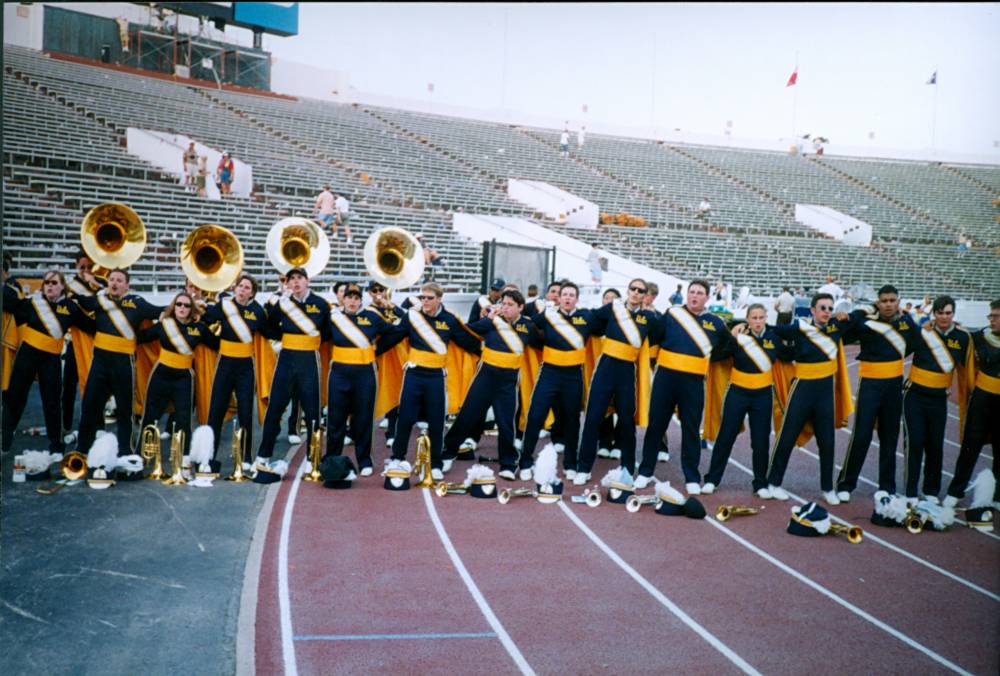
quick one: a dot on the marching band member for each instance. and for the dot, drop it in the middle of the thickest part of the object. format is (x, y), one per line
(43, 320)
(171, 381)
(886, 338)
(77, 286)
(560, 380)
(687, 336)
(625, 327)
(484, 304)
(301, 320)
(353, 379)
(240, 317)
(648, 303)
(10, 337)
(982, 420)
(754, 348)
(424, 391)
(385, 406)
(815, 394)
(118, 315)
(505, 334)
(942, 350)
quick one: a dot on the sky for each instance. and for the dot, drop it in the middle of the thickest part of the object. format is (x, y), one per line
(700, 68)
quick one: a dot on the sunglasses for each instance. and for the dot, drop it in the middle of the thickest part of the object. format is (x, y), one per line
(637, 289)
(182, 304)
(824, 308)
(426, 297)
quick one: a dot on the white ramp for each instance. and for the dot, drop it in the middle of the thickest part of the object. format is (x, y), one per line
(557, 204)
(840, 226)
(571, 254)
(166, 151)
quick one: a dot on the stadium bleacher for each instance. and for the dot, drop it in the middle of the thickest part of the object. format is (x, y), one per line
(64, 130)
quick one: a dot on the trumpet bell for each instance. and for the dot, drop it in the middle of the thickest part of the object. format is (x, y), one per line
(394, 258)
(113, 235)
(212, 257)
(853, 534)
(74, 466)
(298, 243)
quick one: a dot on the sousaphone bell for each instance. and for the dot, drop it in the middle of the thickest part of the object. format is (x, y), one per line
(394, 258)
(298, 243)
(212, 257)
(113, 236)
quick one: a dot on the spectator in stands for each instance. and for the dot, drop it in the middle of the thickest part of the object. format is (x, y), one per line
(564, 142)
(431, 257)
(704, 209)
(594, 263)
(190, 165)
(924, 311)
(225, 173)
(785, 306)
(677, 298)
(581, 136)
(344, 215)
(802, 308)
(326, 210)
(722, 294)
(963, 244)
(202, 180)
(832, 288)
(652, 291)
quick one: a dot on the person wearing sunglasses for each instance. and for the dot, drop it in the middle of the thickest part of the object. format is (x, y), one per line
(353, 380)
(943, 350)
(300, 319)
(43, 320)
(625, 327)
(815, 396)
(171, 381)
(886, 336)
(687, 335)
(982, 419)
(239, 317)
(76, 286)
(424, 392)
(118, 315)
(380, 302)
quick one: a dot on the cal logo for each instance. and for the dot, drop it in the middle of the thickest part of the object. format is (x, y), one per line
(62, 310)
(521, 328)
(249, 315)
(441, 326)
(640, 319)
(768, 345)
(363, 321)
(192, 331)
(707, 325)
(830, 328)
(954, 344)
(903, 326)
(579, 320)
(312, 308)
(128, 303)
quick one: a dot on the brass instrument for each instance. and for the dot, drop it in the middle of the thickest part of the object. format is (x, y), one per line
(314, 456)
(394, 258)
(298, 243)
(726, 512)
(212, 258)
(505, 496)
(591, 497)
(443, 488)
(238, 439)
(635, 502)
(914, 522)
(73, 466)
(150, 450)
(176, 459)
(422, 468)
(113, 236)
(854, 534)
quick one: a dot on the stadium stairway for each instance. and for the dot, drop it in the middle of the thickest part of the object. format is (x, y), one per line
(955, 171)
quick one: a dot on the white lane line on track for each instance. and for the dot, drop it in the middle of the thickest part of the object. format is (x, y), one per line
(655, 593)
(245, 639)
(888, 545)
(484, 607)
(840, 601)
(284, 605)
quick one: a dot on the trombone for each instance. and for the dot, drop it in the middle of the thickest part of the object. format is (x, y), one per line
(726, 512)
(150, 450)
(854, 534)
(73, 467)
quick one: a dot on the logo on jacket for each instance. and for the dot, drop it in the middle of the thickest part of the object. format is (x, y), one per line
(954, 344)
(705, 324)
(311, 308)
(579, 320)
(440, 326)
(62, 310)
(363, 321)
(768, 345)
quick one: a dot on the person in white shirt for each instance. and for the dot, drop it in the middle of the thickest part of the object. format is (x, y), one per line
(594, 263)
(581, 136)
(564, 142)
(704, 208)
(785, 306)
(831, 288)
(344, 215)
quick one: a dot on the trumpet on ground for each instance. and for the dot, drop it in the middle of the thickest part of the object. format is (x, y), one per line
(73, 466)
(726, 512)
(507, 494)
(591, 497)
(443, 488)
(635, 502)
(853, 533)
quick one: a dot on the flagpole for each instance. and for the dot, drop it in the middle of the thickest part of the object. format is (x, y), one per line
(795, 96)
(934, 115)
(652, 98)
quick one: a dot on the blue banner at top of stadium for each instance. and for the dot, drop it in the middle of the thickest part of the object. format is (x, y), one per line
(277, 18)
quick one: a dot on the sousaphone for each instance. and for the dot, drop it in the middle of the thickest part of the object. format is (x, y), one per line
(298, 243)
(394, 258)
(212, 258)
(113, 236)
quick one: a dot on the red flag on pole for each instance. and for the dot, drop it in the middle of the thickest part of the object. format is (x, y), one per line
(793, 77)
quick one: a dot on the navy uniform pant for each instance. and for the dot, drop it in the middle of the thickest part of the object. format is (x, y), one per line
(809, 401)
(925, 417)
(492, 386)
(982, 421)
(111, 374)
(613, 379)
(350, 392)
(739, 403)
(233, 374)
(70, 383)
(296, 373)
(167, 386)
(28, 363)
(390, 423)
(686, 392)
(423, 397)
(880, 403)
(559, 388)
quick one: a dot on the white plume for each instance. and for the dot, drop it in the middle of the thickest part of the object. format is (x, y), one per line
(36, 462)
(891, 506)
(280, 468)
(130, 463)
(667, 493)
(983, 489)
(478, 472)
(202, 441)
(939, 517)
(618, 475)
(104, 452)
(545, 466)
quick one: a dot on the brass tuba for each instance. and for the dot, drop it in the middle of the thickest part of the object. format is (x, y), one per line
(149, 447)
(854, 534)
(239, 434)
(394, 258)
(422, 468)
(176, 460)
(212, 258)
(73, 466)
(113, 236)
(726, 512)
(298, 243)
